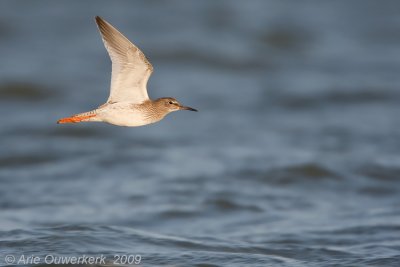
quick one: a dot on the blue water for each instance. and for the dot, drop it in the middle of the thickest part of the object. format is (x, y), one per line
(293, 159)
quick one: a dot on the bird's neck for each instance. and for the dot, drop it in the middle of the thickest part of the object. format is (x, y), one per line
(152, 111)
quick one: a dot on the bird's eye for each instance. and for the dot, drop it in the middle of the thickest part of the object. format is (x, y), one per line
(170, 102)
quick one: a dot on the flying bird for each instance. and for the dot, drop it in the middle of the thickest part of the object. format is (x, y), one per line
(128, 103)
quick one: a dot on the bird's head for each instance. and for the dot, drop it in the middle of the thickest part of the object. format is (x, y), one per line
(170, 104)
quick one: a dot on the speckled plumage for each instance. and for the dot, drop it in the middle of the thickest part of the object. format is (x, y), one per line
(128, 103)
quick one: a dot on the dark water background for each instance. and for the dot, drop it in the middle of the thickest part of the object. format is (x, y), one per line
(293, 159)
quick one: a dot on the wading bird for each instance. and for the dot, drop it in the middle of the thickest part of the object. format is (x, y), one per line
(128, 103)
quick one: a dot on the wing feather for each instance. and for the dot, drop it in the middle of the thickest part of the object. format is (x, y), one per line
(130, 68)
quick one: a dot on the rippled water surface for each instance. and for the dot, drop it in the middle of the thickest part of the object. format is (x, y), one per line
(293, 159)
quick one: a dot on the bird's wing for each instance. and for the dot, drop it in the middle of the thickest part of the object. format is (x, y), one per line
(130, 68)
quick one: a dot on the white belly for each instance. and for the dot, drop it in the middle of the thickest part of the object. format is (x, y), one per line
(122, 114)
(125, 119)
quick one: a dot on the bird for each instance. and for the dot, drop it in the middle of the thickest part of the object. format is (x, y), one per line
(128, 103)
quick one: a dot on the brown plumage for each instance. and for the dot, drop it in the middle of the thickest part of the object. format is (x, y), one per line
(128, 103)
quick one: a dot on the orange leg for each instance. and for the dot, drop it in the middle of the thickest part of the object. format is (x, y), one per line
(75, 119)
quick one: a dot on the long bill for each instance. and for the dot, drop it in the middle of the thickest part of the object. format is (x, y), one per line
(187, 108)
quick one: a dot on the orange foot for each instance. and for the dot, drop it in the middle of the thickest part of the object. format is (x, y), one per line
(75, 119)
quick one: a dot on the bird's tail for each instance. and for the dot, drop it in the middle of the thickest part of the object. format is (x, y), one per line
(81, 117)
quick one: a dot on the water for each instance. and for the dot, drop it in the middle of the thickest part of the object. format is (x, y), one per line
(293, 159)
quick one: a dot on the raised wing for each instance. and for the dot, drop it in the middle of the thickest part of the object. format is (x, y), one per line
(130, 68)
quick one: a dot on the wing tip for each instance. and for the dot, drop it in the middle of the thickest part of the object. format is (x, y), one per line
(103, 26)
(99, 20)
